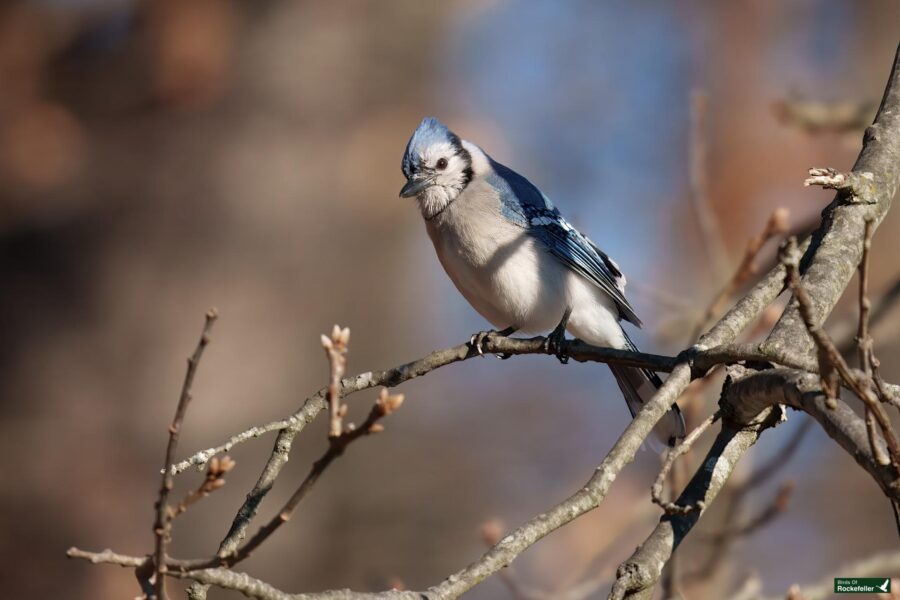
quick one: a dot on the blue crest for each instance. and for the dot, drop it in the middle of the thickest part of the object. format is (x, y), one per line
(429, 132)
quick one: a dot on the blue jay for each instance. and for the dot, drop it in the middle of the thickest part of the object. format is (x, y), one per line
(517, 261)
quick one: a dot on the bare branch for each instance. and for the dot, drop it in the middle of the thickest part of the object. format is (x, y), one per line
(384, 406)
(803, 391)
(721, 543)
(828, 352)
(106, 557)
(593, 492)
(671, 457)
(638, 575)
(836, 246)
(336, 350)
(702, 360)
(214, 480)
(162, 524)
(507, 549)
(201, 458)
(860, 187)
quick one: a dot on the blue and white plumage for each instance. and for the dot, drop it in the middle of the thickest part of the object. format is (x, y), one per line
(514, 257)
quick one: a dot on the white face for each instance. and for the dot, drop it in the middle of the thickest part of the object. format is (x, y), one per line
(447, 167)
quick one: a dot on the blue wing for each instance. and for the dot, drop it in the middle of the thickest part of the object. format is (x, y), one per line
(523, 204)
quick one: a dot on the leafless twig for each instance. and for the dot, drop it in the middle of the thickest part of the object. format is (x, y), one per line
(702, 359)
(336, 350)
(860, 385)
(215, 479)
(671, 456)
(384, 406)
(162, 524)
(860, 187)
(721, 541)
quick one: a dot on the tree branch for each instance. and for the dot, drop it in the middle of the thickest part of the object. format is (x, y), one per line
(163, 523)
(836, 247)
(638, 575)
(701, 359)
(803, 391)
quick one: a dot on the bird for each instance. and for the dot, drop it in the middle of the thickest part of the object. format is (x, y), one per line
(518, 262)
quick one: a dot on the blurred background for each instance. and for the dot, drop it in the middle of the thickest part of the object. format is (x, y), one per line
(158, 158)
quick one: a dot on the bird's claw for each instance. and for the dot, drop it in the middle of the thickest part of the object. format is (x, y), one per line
(477, 341)
(554, 345)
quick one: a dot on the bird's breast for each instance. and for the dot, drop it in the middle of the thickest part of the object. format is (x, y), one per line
(502, 271)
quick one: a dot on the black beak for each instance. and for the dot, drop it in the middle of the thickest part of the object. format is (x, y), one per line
(414, 185)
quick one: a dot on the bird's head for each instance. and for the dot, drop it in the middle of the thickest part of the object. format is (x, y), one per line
(436, 165)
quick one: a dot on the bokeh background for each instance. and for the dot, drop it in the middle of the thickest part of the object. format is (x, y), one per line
(161, 157)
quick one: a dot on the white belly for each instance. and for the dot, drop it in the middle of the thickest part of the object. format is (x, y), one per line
(511, 280)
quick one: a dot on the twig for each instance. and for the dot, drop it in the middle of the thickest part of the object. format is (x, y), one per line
(860, 385)
(491, 533)
(720, 541)
(493, 344)
(201, 458)
(860, 187)
(879, 564)
(385, 405)
(835, 249)
(336, 350)
(724, 332)
(588, 497)
(803, 391)
(622, 452)
(215, 479)
(106, 557)
(865, 346)
(673, 454)
(162, 524)
(752, 396)
(638, 575)
(702, 359)
(775, 226)
(594, 491)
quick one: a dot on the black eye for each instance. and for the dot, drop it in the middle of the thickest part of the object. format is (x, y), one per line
(441, 164)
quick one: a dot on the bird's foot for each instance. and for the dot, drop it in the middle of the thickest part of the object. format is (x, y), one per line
(477, 340)
(554, 344)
